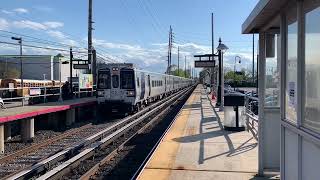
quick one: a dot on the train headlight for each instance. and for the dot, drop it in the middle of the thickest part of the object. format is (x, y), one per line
(130, 93)
(101, 93)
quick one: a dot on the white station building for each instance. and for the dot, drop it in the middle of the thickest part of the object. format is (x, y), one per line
(289, 128)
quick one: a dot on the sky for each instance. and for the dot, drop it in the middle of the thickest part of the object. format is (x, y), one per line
(134, 31)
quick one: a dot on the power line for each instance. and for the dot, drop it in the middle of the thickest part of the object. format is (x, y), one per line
(39, 47)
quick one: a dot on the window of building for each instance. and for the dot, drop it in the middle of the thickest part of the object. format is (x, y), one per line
(272, 78)
(291, 66)
(312, 66)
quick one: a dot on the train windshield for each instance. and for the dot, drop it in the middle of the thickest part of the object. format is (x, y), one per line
(115, 81)
(104, 80)
(127, 79)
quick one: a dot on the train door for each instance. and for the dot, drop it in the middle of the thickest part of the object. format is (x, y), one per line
(149, 85)
(143, 86)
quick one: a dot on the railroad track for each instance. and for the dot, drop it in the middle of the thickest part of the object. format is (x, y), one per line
(125, 161)
(103, 150)
(73, 146)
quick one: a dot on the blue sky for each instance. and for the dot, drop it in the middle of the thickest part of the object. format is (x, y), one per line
(131, 30)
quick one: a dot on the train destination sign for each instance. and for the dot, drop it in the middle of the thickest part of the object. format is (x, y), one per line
(81, 66)
(203, 64)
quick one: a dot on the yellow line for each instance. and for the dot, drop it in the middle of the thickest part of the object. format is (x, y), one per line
(165, 156)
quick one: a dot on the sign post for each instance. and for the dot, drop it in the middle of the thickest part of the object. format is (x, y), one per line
(208, 61)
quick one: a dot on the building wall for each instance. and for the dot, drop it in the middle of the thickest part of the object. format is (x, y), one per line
(38, 67)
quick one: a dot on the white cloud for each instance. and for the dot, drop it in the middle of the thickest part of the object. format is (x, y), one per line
(53, 24)
(36, 25)
(6, 12)
(57, 34)
(62, 38)
(29, 24)
(21, 10)
(105, 44)
(4, 25)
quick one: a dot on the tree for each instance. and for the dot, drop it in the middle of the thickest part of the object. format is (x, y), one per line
(181, 73)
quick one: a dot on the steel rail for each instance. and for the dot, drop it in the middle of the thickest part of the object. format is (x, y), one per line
(155, 147)
(66, 167)
(89, 174)
(26, 150)
(67, 153)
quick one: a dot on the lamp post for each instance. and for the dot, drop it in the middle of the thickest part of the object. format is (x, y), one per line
(234, 71)
(221, 49)
(19, 39)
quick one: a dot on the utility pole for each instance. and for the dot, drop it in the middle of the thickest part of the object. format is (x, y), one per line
(178, 61)
(90, 35)
(71, 57)
(212, 52)
(169, 53)
(94, 66)
(212, 35)
(171, 40)
(185, 66)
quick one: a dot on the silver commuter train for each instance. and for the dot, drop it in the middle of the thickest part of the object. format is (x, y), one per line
(121, 87)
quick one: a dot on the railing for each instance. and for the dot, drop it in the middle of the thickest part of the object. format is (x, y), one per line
(252, 118)
(15, 97)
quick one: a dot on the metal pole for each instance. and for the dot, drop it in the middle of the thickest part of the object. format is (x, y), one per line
(71, 88)
(21, 71)
(168, 54)
(170, 50)
(234, 73)
(178, 61)
(212, 52)
(185, 66)
(212, 35)
(90, 34)
(253, 57)
(94, 66)
(220, 79)
(60, 96)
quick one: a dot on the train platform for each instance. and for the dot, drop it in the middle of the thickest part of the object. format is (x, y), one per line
(197, 147)
(12, 114)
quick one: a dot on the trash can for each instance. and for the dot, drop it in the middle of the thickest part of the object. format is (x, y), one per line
(234, 112)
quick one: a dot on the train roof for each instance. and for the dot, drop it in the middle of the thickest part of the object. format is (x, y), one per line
(131, 65)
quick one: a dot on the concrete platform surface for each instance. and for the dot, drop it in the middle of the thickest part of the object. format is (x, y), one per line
(16, 113)
(197, 147)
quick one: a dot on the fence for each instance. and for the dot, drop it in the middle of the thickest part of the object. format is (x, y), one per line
(36, 95)
(252, 118)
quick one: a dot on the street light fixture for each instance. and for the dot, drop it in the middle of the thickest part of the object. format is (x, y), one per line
(222, 48)
(234, 71)
(19, 39)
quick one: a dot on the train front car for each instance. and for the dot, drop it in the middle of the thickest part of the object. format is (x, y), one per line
(116, 88)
